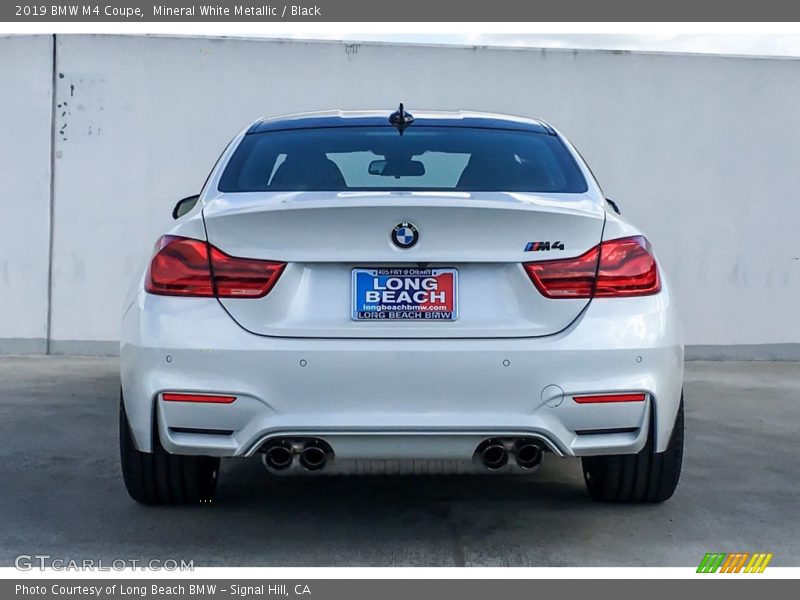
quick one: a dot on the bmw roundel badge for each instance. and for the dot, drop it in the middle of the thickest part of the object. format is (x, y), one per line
(405, 235)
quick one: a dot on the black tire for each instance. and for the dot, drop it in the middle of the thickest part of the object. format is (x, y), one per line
(644, 477)
(163, 478)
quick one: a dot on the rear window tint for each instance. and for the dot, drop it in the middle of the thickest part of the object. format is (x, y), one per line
(423, 158)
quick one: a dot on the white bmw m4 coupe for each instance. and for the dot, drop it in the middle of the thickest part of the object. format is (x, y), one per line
(374, 293)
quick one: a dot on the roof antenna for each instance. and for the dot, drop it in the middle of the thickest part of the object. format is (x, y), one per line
(401, 119)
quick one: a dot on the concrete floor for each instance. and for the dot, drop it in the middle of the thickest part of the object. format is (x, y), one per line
(61, 492)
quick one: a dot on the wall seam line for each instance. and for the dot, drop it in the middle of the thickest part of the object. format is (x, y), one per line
(53, 116)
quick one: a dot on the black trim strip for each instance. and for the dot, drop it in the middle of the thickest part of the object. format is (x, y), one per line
(201, 431)
(606, 431)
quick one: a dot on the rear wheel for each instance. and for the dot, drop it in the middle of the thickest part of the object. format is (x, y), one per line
(644, 477)
(160, 477)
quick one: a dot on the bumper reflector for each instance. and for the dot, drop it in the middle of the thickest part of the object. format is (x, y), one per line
(600, 398)
(208, 398)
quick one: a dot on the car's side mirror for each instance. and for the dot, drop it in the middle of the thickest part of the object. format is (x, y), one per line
(613, 205)
(184, 206)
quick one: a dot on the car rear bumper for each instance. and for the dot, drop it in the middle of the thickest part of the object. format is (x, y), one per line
(401, 399)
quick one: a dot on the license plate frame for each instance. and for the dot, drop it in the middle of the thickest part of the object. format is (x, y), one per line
(364, 309)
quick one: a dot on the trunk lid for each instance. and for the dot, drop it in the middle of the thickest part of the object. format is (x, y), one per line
(324, 236)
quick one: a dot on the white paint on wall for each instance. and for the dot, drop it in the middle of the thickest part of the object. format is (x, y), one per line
(701, 152)
(25, 115)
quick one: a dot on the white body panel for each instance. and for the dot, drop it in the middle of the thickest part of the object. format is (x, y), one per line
(406, 387)
(299, 366)
(324, 236)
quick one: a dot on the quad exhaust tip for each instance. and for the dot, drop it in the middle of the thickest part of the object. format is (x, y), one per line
(313, 458)
(495, 454)
(279, 457)
(312, 454)
(529, 454)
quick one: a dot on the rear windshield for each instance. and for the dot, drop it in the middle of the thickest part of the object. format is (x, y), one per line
(423, 158)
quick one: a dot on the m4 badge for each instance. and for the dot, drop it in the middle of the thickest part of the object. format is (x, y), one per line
(540, 246)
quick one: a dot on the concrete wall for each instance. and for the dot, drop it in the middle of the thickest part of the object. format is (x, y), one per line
(25, 116)
(701, 152)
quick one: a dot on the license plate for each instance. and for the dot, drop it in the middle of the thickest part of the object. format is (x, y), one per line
(405, 294)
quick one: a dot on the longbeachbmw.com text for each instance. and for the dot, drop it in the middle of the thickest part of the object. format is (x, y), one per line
(276, 11)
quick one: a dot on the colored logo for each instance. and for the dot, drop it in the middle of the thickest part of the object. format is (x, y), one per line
(737, 562)
(399, 294)
(405, 235)
(543, 246)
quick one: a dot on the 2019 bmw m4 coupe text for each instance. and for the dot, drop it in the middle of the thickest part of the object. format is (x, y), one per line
(360, 292)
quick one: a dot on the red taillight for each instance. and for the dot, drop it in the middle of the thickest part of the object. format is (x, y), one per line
(180, 268)
(207, 398)
(565, 278)
(183, 267)
(627, 268)
(603, 398)
(243, 277)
